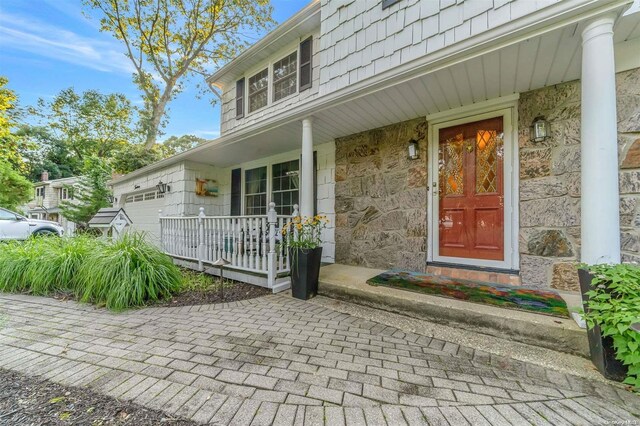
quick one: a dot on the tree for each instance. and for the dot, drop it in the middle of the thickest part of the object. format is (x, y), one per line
(15, 189)
(170, 41)
(47, 153)
(91, 193)
(8, 101)
(177, 144)
(90, 123)
(12, 146)
(134, 158)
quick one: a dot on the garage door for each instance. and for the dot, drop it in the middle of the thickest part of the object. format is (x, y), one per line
(142, 209)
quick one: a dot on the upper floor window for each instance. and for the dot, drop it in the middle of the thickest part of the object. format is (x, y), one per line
(40, 191)
(285, 77)
(65, 193)
(389, 3)
(258, 85)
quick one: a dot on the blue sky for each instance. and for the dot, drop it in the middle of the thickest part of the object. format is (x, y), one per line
(49, 45)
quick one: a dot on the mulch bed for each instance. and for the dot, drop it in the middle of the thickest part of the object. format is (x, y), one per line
(32, 401)
(237, 291)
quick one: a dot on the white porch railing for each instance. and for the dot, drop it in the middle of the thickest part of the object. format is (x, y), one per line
(248, 243)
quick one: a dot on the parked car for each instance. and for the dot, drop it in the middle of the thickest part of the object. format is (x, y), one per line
(17, 227)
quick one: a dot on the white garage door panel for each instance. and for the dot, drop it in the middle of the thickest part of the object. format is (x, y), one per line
(144, 215)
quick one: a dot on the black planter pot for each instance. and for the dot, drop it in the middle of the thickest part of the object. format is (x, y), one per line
(603, 355)
(305, 270)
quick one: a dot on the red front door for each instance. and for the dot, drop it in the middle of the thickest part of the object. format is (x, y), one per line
(471, 220)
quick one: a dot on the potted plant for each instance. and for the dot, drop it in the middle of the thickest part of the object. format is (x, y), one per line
(302, 238)
(611, 296)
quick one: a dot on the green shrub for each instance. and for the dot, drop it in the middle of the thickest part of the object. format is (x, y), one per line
(614, 304)
(120, 273)
(126, 272)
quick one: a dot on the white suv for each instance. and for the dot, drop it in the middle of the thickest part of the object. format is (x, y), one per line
(16, 227)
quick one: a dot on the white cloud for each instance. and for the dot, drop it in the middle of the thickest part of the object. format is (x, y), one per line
(49, 41)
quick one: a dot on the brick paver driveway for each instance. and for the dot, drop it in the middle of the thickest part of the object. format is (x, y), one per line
(283, 361)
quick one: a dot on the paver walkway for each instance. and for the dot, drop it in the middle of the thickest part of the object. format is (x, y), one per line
(283, 361)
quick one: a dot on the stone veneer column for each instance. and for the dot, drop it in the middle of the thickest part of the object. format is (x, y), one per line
(306, 178)
(600, 208)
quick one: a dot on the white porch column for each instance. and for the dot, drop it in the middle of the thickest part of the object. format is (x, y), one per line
(600, 199)
(306, 175)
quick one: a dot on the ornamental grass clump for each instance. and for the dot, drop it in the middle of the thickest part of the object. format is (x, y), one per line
(127, 272)
(15, 260)
(614, 305)
(56, 264)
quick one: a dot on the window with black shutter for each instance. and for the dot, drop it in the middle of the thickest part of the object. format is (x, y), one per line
(240, 98)
(236, 192)
(305, 64)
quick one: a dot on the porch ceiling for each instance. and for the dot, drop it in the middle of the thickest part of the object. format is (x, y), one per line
(551, 58)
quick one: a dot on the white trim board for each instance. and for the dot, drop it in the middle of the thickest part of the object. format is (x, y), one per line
(507, 107)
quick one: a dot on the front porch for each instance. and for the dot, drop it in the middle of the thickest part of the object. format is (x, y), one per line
(384, 207)
(248, 246)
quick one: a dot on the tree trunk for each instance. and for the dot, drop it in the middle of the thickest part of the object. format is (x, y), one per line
(156, 116)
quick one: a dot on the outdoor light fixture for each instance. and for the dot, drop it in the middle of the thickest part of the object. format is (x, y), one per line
(221, 262)
(163, 187)
(111, 198)
(413, 150)
(539, 130)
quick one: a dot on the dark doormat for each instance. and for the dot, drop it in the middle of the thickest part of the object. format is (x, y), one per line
(505, 296)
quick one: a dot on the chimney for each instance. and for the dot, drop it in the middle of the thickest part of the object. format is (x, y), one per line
(44, 176)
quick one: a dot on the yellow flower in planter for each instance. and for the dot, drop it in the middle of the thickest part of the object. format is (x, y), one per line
(299, 227)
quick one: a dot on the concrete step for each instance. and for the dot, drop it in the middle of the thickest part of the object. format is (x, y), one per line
(349, 283)
(475, 275)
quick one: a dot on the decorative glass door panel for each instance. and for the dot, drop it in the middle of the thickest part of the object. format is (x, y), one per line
(471, 198)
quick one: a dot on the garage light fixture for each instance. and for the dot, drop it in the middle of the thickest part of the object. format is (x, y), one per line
(163, 187)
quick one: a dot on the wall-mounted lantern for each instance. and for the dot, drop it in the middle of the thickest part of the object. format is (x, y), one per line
(413, 150)
(163, 187)
(539, 130)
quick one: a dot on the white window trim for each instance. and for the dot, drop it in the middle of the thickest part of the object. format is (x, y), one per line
(269, 165)
(269, 65)
(507, 107)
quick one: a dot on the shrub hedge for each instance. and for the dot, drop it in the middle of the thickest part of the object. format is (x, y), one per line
(119, 274)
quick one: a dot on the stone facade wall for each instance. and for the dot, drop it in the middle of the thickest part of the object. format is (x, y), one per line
(550, 182)
(381, 198)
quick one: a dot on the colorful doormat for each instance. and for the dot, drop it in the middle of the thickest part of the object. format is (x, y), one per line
(506, 296)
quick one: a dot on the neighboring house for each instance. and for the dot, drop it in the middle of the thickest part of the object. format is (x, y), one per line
(408, 123)
(48, 194)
